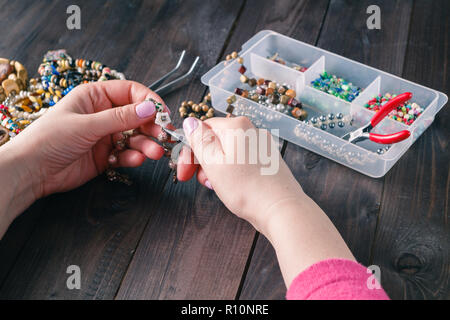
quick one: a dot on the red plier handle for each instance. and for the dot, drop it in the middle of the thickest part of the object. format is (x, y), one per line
(383, 112)
(389, 138)
(389, 106)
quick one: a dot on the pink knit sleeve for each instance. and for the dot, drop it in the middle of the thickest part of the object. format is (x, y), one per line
(335, 279)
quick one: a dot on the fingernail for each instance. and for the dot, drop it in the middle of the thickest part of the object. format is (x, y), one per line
(145, 109)
(208, 185)
(189, 125)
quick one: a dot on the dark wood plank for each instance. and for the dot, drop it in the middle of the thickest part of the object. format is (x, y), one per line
(96, 227)
(208, 262)
(192, 247)
(19, 232)
(301, 20)
(17, 17)
(145, 39)
(412, 244)
(325, 181)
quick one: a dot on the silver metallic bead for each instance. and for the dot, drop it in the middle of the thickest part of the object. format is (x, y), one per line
(322, 118)
(380, 151)
(323, 126)
(313, 120)
(330, 116)
(339, 116)
(331, 125)
(341, 124)
(112, 159)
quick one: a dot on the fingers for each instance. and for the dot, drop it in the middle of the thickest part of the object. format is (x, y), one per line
(99, 96)
(115, 105)
(121, 118)
(203, 179)
(148, 147)
(153, 130)
(203, 141)
(127, 158)
(186, 166)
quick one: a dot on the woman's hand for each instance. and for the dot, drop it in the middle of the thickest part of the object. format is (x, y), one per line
(271, 200)
(71, 143)
(242, 164)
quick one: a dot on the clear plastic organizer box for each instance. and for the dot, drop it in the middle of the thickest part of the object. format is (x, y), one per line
(363, 157)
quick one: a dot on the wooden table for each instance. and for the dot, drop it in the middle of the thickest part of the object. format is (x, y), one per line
(158, 240)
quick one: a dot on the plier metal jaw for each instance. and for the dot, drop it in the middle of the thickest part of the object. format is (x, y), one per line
(364, 133)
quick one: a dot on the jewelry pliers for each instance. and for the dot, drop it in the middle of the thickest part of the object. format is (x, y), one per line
(177, 136)
(364, 132)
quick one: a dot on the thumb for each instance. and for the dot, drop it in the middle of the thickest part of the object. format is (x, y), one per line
(204, 142)
(122, 118)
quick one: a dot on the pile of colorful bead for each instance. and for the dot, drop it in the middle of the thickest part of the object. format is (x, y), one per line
(59, 74)
(276, 58)
(7, 122)
(336, 86)
(275, 96)
(202, 110)
(406, 112)
(13, 77)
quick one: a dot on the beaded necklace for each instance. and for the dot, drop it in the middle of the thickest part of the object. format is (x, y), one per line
(23, 101)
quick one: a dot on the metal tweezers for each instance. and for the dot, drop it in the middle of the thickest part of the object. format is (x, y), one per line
(162, 90)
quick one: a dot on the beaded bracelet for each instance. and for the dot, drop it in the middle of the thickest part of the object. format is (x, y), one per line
(59, 74)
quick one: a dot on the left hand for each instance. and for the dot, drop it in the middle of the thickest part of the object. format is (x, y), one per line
(71, 143)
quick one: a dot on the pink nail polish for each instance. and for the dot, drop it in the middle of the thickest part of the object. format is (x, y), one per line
(145, 109)
(208, 185)
(189, 125)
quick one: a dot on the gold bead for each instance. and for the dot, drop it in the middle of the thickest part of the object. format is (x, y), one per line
(182, 110)
(243, 79)
(291, 93)
(234, 55)
(240, 60)
(231, 99)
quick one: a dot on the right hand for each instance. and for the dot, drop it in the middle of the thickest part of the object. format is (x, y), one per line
(240, 185)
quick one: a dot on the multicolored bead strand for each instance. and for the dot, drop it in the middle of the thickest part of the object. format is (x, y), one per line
(59, 73)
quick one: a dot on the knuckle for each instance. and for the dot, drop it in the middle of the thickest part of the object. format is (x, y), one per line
(120, 116)
(207, 137)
